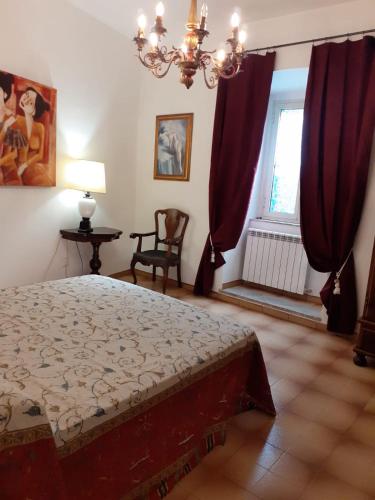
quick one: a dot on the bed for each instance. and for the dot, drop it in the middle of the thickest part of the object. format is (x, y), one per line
(110, 391)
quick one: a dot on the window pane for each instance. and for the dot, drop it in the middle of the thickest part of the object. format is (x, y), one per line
(287, 162)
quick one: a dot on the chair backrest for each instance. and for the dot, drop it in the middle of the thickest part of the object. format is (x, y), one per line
(173, 220)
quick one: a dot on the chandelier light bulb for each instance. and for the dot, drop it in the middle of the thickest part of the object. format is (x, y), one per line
(184, 48)
(235, 20)
(242, 37)
(142, 21)
(221, 55)
(204, 10)
(153, 39)
(160, 9)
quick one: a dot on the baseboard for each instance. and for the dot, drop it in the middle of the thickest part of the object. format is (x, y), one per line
(145, 274)
(120, 274)
(230, 284)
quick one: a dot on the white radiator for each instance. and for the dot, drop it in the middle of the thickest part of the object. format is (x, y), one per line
(275, 259)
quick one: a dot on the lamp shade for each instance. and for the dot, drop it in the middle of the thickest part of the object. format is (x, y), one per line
(86, 176)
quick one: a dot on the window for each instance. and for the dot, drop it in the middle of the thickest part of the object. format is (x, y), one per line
(282, 162)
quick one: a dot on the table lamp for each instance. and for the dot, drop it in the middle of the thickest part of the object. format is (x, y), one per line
(87, 176)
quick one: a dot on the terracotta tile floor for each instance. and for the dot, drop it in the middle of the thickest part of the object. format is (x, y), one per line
(321, 445)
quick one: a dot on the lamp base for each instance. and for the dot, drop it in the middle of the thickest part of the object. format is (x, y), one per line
(85, 226)
(87, 206)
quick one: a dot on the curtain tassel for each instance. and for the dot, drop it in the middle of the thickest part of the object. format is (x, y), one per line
(337, 289)
(213, 258)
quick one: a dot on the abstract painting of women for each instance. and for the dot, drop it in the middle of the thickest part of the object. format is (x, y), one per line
(173, 147)
(27, 133)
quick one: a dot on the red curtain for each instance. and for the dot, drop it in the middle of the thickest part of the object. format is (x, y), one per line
(241, 109)
(336, 147)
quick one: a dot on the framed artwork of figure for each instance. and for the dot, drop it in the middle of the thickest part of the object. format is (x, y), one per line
(27, 132)
(173, 140)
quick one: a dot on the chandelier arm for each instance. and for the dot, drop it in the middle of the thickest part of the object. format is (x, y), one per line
(212, 80)
(156, 73)
(166, 56)
(146, 64)
(229, 72)
(205, 59)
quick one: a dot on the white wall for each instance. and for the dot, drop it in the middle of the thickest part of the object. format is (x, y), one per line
(92, 68)
(167, 96)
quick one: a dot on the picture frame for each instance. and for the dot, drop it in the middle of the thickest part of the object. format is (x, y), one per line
(173, 144)
(27, 132)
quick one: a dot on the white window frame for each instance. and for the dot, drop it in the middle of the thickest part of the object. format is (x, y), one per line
(268, 165)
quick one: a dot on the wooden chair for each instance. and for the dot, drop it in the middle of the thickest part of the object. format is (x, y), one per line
(163, 258)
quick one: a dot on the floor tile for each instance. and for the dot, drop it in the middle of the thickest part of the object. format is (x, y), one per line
(242, 468)
(195, 478)
(274, 487)
(329, 341)
(289, 467)
(292, 330)
(177, 493)
(324, 410)
(224, 308)
(269, 354)
(251, 462)
(363, 430)
(251, 421)
(340, 387)
(178, 293)
(254, 318)
(284, 391)
(278, 342)
(353, 463)
(285, 431)
(312, 354)
(236, 438)
(345, 366)
(221, 488)
(326, 487)
(370, 406)
(293, 369)
(197, 301)
(314, 444)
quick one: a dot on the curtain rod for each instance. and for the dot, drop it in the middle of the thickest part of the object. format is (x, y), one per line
(313, 40)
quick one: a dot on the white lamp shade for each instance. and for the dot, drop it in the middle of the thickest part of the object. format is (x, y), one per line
(85, 176)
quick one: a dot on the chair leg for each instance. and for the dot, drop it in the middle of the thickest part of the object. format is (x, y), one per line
(179, 275)
(153, 273)
(132, 267)
(165, 278)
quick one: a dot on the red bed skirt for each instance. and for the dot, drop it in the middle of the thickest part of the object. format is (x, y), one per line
(147, 455)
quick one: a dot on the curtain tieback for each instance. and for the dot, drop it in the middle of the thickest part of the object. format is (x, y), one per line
(337, 289)
(212, 251)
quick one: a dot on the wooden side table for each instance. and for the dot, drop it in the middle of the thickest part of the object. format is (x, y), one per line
(98, 236)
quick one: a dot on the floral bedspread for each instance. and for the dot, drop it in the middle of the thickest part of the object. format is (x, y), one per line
(80, 356)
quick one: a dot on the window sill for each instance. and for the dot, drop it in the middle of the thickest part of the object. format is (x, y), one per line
(278, 221)
(275, 225)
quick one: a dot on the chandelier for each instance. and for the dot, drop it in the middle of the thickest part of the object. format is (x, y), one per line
(190, 57)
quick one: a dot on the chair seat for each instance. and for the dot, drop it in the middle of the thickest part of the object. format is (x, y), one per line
(155, 256)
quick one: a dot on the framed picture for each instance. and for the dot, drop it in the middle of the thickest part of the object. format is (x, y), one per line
(173, 138)
(27, 132)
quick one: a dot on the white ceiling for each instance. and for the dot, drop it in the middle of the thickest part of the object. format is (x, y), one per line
(121, 14)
